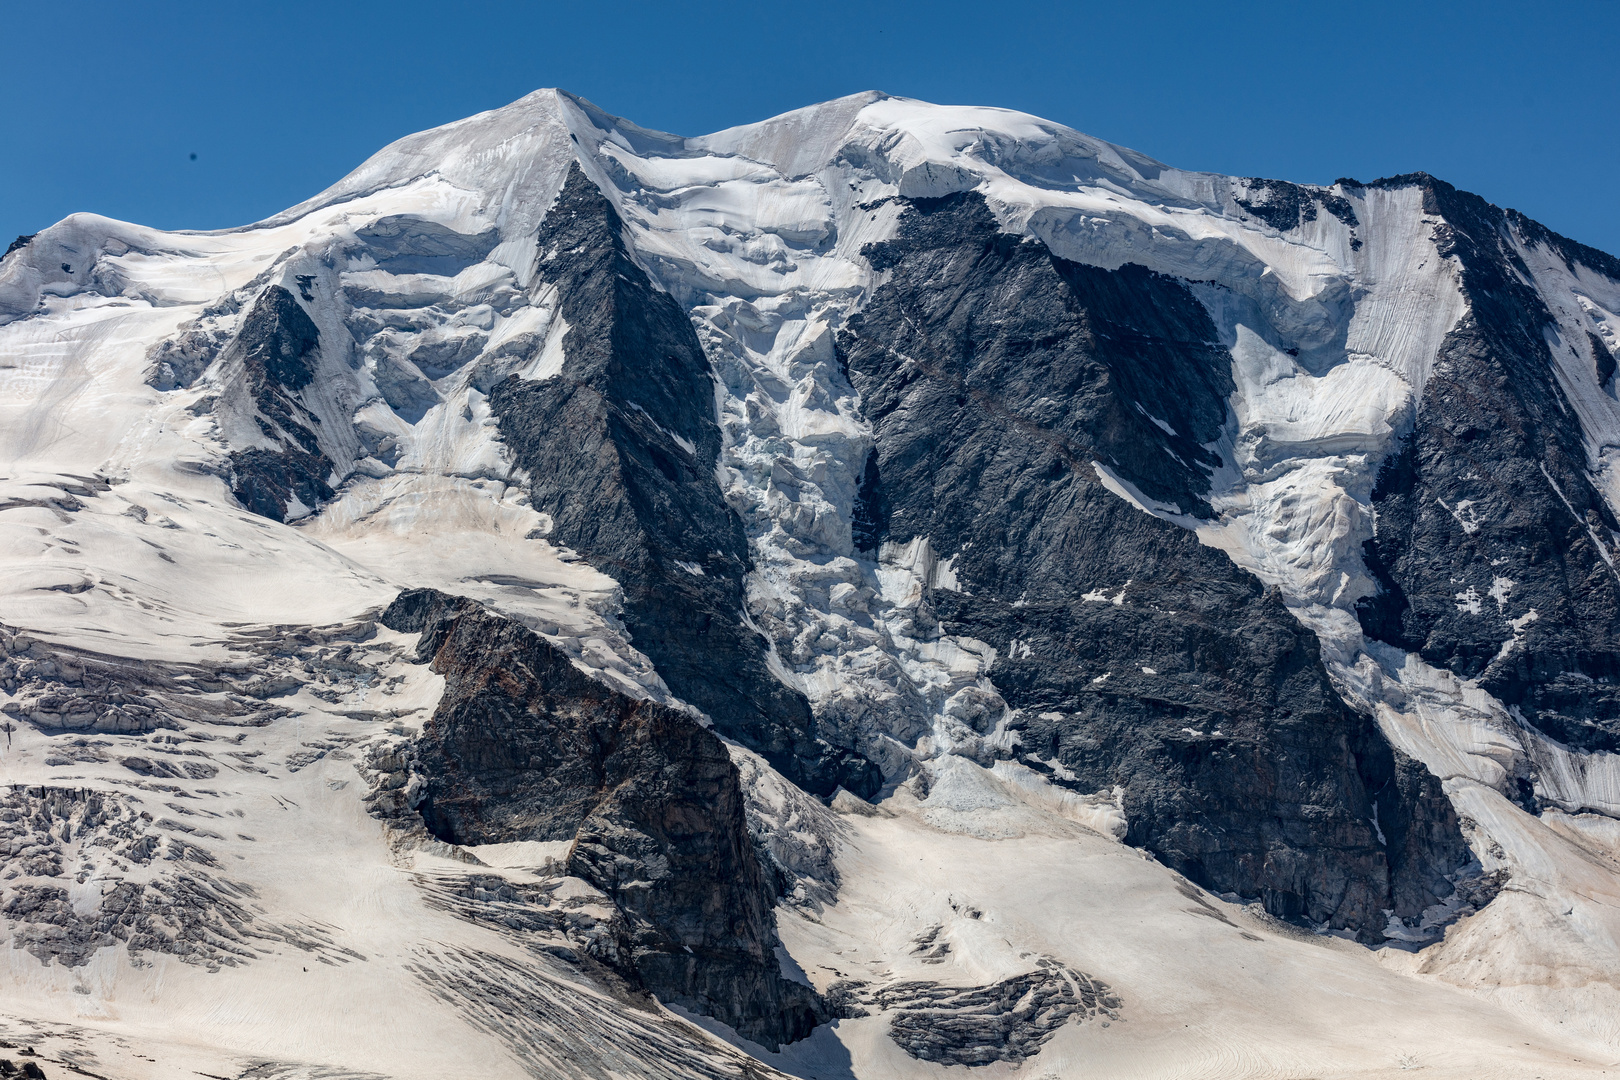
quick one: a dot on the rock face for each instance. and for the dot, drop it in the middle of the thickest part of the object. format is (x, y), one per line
(525, 747)
(621, 447)
(1003, 383)
(1495, 552)
(275, 349)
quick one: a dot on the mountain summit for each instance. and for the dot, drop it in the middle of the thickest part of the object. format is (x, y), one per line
(889, 588)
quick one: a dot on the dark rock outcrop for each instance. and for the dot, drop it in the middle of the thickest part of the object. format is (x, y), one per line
(1009, 1020)
(997, 377)
(278, 346)
(524, 746)
(621, 448)
(1603, 362)
(19, 243)
(1286, 206)
(1494, 553)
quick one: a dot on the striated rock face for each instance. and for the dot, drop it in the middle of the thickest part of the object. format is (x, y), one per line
(621, 446)
(1004, 386)
(523, 746)
(1495, 551)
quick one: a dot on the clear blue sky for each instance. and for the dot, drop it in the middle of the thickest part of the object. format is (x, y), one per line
(105, 103)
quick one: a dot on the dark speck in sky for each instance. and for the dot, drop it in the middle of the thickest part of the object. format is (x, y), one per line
(193, 157)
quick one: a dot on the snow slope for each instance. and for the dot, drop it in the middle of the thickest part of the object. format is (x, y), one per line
(122, 540)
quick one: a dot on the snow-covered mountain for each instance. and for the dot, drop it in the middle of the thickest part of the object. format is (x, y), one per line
(888, 589)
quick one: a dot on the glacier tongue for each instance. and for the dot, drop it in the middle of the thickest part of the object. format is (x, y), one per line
(155, 383)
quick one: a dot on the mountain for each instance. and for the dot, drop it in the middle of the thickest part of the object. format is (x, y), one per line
(886, 590)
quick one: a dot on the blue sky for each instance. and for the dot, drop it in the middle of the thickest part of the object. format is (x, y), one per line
(106, 102)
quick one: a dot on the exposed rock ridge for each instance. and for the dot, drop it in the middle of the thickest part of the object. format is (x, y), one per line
(276, 466)
(621, 448)
(1285, 206)
(277, 341)
(995, 376)
(1494, 551)
(19, 243)
(523, 746)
